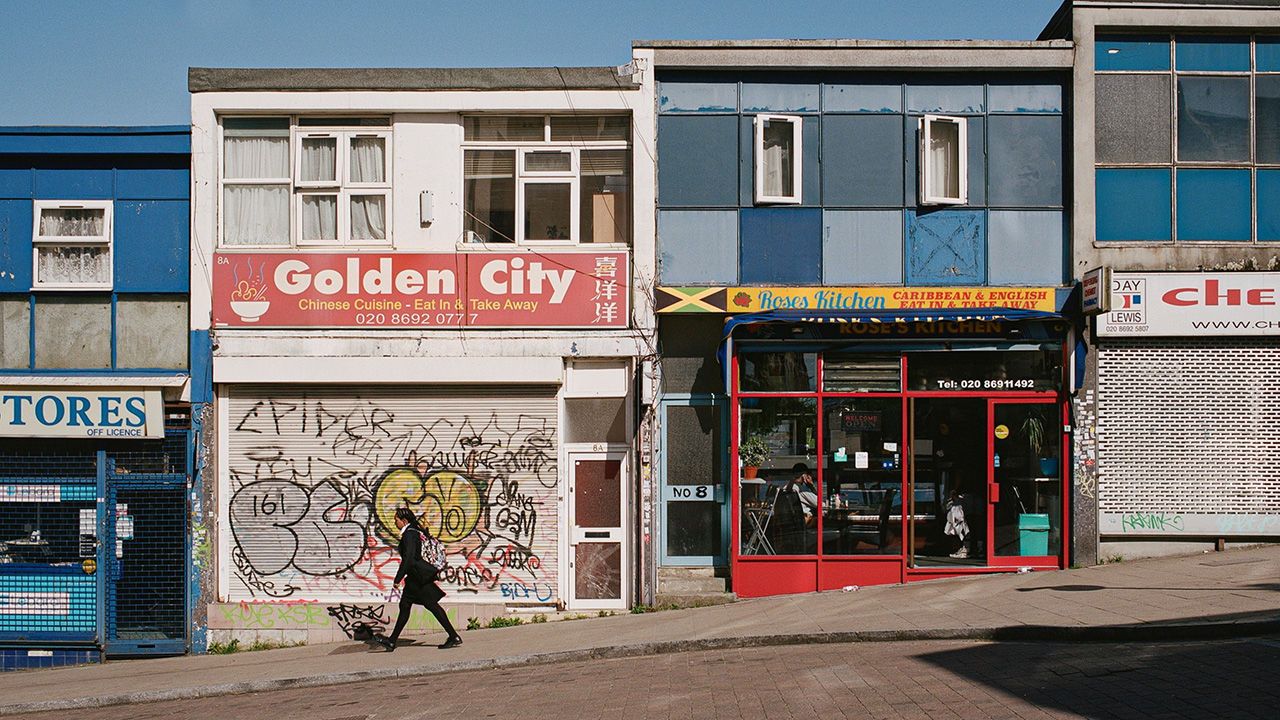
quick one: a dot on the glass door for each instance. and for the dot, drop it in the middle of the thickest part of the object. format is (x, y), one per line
(1024, 491)
(695, 532)
(947, 511)
(598, 546)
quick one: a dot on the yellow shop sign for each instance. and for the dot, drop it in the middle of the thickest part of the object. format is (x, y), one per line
(756, 299)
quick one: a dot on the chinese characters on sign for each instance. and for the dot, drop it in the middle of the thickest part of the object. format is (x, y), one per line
(421, 290)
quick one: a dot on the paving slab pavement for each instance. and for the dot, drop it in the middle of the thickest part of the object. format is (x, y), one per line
(1229, 594)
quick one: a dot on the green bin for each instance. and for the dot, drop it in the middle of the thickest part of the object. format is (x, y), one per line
(1033, 534)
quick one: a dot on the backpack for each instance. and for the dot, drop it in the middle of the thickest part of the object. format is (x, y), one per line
(433, 552)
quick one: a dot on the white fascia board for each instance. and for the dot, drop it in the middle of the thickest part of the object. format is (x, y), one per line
(397, 101)
(374, 370)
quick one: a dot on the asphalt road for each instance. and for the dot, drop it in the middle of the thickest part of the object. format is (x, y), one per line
(1224, 679)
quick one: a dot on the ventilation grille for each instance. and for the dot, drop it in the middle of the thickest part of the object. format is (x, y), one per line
(1189, 427)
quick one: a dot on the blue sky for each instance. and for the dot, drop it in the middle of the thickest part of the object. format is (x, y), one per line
(124, 62)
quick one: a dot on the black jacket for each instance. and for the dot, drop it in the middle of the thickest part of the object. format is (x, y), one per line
(418, 576)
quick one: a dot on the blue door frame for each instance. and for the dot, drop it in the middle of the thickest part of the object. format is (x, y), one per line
(687, 493)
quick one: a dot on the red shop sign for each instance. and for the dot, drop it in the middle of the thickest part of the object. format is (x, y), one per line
(421, 290)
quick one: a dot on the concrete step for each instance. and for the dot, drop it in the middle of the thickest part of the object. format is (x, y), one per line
(691, 581)
(701, 600)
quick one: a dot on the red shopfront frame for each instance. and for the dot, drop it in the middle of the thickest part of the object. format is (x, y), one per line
(764, 575)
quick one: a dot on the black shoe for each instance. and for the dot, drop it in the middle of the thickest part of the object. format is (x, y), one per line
(452, 642)
(387, 643)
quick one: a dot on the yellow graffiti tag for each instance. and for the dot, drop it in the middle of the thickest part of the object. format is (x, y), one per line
(446, 503)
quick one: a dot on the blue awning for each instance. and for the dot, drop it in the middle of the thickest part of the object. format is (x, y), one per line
(802, 317)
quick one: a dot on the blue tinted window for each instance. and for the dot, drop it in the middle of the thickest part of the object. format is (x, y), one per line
(779, 97)
(697, 97)
(1213, 53)
(1267, 109)
(1213, 119)
(862, 98)
(1214, 205)
(1269, 205)
(1131, 53)
(1133, 205)
(945, 98)
(1266, 54)
(1024, 98)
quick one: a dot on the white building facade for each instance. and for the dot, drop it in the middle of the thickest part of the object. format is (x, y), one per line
(433, 289)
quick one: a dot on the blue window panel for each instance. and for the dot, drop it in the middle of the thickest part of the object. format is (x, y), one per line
(697, 97)
(1214, 53)
(15, 183)
(862, 160)
(1267, 118)
(152, 238)
(977, 161)
(862, 98)
(1134, 205)
(810, 168)
(779, 97)
(698, 247)
(1213, 119)
(1025, 160)
(1025, 247)
(201, 354)
(153, 184)
(60, 184)
(1269, 205)
(946, 247)
(944, 98)
(1024, 98)
(698, 160)
(1214, 205)
(781, 246)
(15, 245)
(1266, 54)
(862, 247)
(1131, 52)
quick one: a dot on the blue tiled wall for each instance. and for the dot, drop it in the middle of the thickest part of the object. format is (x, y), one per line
(858, 220)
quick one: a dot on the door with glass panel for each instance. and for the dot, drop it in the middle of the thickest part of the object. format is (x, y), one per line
(597, 538)
(693, 488)
(1024, 493)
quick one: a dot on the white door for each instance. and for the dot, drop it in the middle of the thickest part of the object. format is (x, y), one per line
(597, 536)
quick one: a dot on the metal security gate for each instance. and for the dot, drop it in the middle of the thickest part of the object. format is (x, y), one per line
(1189, 438)
(145, 547)
(312, 476)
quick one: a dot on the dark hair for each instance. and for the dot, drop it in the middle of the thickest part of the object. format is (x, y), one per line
(407, 515)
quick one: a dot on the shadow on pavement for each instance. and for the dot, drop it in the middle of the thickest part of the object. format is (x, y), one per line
(1217, 679)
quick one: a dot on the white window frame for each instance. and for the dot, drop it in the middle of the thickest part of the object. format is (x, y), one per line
(926, 191)
(524, 178)
(106, 239)
(797, 167)
(341, 187)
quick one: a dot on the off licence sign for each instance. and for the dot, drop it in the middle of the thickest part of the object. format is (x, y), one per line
(421, 290)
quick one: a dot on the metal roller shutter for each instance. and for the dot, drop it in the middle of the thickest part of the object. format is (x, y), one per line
(1189, 438)
(314, 475)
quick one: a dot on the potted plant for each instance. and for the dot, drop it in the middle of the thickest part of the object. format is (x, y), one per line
(1034, 428)
(751, 453)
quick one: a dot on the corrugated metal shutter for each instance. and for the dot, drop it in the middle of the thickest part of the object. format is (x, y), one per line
(1189, 437)
(315, 474)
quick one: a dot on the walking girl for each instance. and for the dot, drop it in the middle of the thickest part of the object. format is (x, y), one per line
(419, 578)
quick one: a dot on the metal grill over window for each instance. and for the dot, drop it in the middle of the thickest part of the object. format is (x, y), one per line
(861, 372)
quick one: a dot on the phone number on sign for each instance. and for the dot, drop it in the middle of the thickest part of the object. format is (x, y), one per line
(377, 318)
(1021, 384)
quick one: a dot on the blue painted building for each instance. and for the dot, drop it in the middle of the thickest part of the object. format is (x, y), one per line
(863, 274)
(101, 393)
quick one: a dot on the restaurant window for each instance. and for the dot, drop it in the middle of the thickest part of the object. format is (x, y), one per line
(943, 160)
(861, 372)
(778, 461)
(862, 476)
(777, 371)
(777, 159)
(1036, 368)
(305, 181)
(547, 179)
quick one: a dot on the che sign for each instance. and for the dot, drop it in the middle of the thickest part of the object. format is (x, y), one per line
(1192, 304)
(552, 289)
(107, 413)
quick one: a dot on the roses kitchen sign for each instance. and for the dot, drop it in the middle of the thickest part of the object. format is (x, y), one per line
(421, 290)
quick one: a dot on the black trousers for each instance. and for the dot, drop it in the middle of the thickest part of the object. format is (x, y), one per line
(406, 608)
